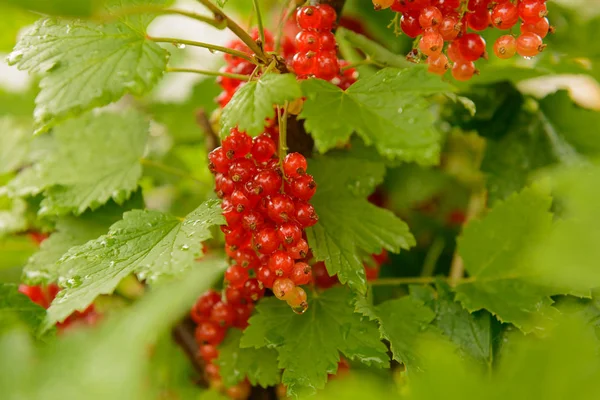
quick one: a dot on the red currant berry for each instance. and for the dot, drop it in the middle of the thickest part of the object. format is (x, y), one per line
(283, 288)
(505, 15)
(209, 332)
(280, 208)
(297, 300)
(450, 27)
(253, 291)
(241, 170)
(471, 47)
(327, 41)
(540, 28)
(327, 66)
(218, 161)
(304, 63)
(236, 275)
(321, 276)
(281, 263)
(298, 250)
(301, 274)
(438, 64)
(308, 18)
(240, 201)
(479, 20)
(308, 41)
(247, 258)
(446, 6)
(430, 17)
(419, 4)
(212, 371)
(505, 46)
(263, 148)
(463, 71)
(431, 43)
(327, 17)
(224, 185)
(303, 187)
(237, 144)
(305, 214)
(532, 10)
(289, 233)
(234, 295)
(294, 165)
(208, 352)
(237, 237)
(529, 44)
(410, 24)
(453, 53)
(252, 221)
(222, 314)
(266, 240)
(475, 5)
(243, 313)
(232, 217)
(204, 304)
(265, 276)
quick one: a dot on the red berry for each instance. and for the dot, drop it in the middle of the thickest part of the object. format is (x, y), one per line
(205, 303)
(410, 24)
(532, 10)
(505, 15)
(236, 275)
(301, 274)
(327, 17)
(263, 148)
(281, 263)
(212, 371)
(243, 313)
(223, 314)
(294, 165)
(232, 217)
(438, 64)
(283, 288)
(430, 17)
(241, 170)
(463, 71)
(431, 43)
(267, 182)
(471, 46)
(237, 144)
(298, 250)
(289, 233)
(252, 220)
(327, 66)
(308, 18)
(540, 28)
(450, 27)
(303, 187)
(224, 185)
(237, 237)
(266, 240)
(327, 41)
(529, 44)
(304, 63)
(209, 332)
(453, 53)
(308, 41)
(446, 5)
(218, 161)
(505, 46)
(321, 276)
(266, 276)
(475, 5)
(280, 208)
(297, 300)
(479, 20)
(234, 295)
(305, 214)
(208, 352)
(241, 391)
(240, 201)
(253, 291)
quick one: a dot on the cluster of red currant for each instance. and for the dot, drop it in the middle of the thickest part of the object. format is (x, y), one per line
(456, 21)
(317, 48)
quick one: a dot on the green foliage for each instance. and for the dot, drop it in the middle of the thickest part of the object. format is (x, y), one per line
(150, 244)
(80, 8)
(308, 345)
(16, 308)
(85, 65)
(389, 110)
(14, 147)
(236, 363)
(253, 103)
(348, 223)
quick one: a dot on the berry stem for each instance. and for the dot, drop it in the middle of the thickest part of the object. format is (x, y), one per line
(157, 10)
(283, 116)
(210, 73)
(286, 13)
(236, 29)
(432, 256)
(259, 22)
(209, 46)
(170, 170)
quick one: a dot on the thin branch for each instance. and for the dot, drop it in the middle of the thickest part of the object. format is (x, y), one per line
(282, 116)
(157, 10)
(433, 255)
(209, 46)
(236, 29)
(403, 281)
(259, 22)
(212, 139)
(170, 170)
(366, 61)
(286, 13)
(209, 73)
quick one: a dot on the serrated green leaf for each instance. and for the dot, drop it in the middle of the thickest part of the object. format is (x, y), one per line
(253, 102)
(502, 279)
(85, 65)
(97, 157)
(15, 307)
(388, 110)
(236, 363)
(15, 137)
(401, 322)
(42, 267)
(308, 345)
(12, 215)
(79, 8)
(374, 51)
(150, 244)
(87, 367)
(348, 223)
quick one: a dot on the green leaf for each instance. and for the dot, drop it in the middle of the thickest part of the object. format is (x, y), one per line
(87, 367)
(308, 345)
(15, 250)
(12, 215)
(389, 110)
(150, 244)
(501, 277)
(253, 102)
(348, 223)
(79, 8)
(97, 157)
(373, 50)
(85, 65)
(42, 267)
(15, 306)
(236, 363)
(15, 137)
(401, 322)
